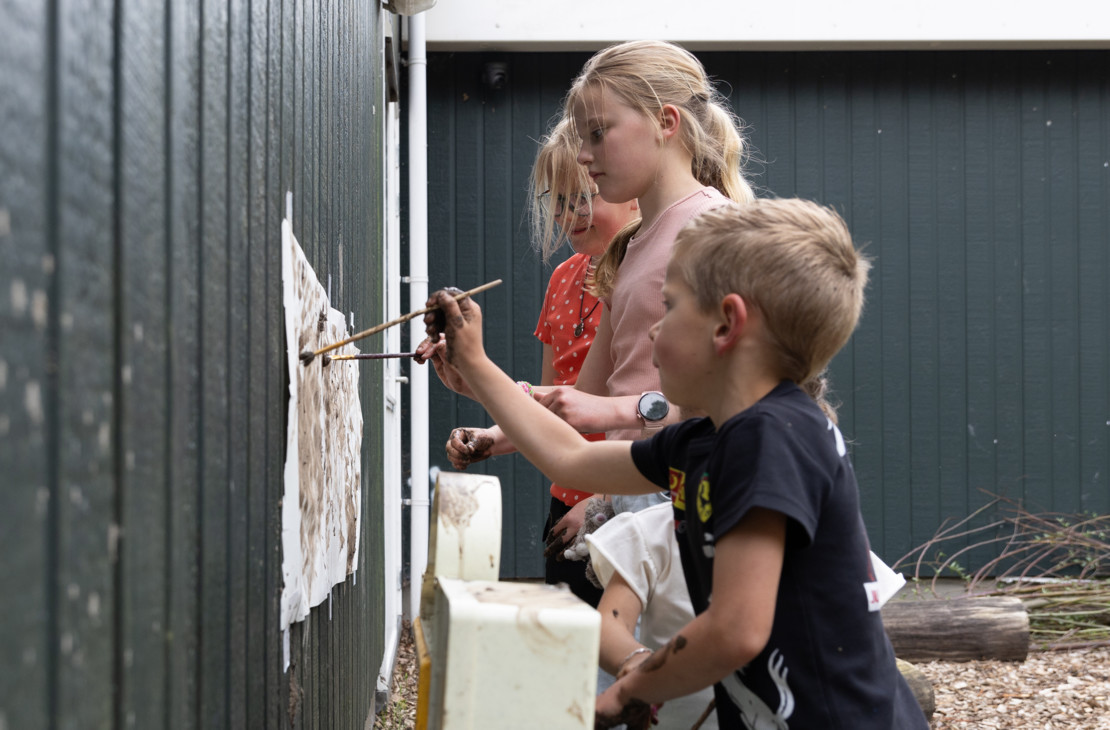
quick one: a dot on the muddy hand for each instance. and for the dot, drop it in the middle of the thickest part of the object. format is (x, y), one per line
(636, 715)
(556, 541)
(435, 321)
(428, 349)
(435, 351)
(467, 446)
(570, 524)
(459, 321)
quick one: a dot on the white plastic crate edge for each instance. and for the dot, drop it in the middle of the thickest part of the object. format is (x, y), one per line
(464, 540)
(512, 655)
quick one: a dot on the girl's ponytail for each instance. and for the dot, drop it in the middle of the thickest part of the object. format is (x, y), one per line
(723, 154)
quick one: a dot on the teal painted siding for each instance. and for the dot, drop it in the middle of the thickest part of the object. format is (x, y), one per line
(979, 182)
(145, 152)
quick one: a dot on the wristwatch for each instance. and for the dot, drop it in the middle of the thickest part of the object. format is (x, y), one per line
(652, 408)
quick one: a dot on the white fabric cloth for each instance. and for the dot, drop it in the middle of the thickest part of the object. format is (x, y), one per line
(642, 548)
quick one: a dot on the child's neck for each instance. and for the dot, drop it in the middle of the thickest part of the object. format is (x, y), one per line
(740, 395)
(667, 190)
(745, 375)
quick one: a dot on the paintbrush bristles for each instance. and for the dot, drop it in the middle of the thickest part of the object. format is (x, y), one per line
(306, 356)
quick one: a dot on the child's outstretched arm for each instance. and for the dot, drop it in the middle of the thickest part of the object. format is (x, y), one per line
(733, 630)
(620, 609)
(547, 441)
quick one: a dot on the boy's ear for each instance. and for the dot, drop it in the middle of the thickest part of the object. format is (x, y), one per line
(669, 120)
(732, 324)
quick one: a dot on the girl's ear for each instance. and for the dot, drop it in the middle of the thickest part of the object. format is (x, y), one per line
(733, 321)
(670, 119)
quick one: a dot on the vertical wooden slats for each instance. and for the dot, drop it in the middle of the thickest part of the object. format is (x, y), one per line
(83, 372)
(921, 321)
(214, 436)
(279, 180)
(238, 316)
(953, 188)
(28, 644)
(143, 334)
(866, 435)
(1036, 271)
(1004, 207)
(1092, 129)
(1063, 158)
(262, 203)
(182, 332)
(146, 150)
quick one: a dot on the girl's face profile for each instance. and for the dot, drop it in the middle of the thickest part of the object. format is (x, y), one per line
(620, 145)
(590, 232)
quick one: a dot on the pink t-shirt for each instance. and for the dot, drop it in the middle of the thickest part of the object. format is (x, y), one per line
(637, 301)
(569, 309)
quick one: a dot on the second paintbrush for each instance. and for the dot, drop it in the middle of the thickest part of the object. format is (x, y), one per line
(371, 356)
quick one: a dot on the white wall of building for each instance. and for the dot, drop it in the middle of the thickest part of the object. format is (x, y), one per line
(784, 24)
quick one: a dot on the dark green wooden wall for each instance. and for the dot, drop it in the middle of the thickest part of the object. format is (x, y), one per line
(979, 181)
(145, 152)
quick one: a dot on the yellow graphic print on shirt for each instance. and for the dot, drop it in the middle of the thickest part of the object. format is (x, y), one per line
(705, 507)
(677, 484)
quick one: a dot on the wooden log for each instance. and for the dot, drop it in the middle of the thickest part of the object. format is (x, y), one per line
(958, 629)
(921, 687)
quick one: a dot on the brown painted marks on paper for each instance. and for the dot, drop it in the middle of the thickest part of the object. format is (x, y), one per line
(326, 424)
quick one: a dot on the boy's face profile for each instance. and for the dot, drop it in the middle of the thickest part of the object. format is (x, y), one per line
(682, 344)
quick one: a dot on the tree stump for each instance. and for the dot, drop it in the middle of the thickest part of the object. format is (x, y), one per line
(959, 629)
(921, 687)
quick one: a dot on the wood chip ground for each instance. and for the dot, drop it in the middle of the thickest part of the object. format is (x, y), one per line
(1048, 691)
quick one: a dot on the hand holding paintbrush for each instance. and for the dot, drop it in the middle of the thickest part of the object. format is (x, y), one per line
(308, 355)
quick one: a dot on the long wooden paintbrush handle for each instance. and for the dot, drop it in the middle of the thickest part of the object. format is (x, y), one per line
(373, 356)
(402, 319)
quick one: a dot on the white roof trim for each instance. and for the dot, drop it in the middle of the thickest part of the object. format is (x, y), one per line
(519, 25)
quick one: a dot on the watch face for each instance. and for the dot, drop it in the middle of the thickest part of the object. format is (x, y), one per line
(653, 406)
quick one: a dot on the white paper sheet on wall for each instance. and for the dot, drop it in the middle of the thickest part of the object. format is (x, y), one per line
(323, 476)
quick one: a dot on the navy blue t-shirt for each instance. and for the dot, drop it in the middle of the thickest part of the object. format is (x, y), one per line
(828, 662)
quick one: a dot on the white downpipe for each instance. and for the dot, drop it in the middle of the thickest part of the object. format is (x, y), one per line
(418, 295)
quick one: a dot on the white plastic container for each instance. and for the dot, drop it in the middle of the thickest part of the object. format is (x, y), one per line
(512, 655)
(465, 536)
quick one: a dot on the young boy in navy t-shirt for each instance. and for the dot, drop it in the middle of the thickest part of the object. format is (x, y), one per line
(758, 299)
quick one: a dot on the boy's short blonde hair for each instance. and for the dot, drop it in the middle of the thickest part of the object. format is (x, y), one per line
(794, 261)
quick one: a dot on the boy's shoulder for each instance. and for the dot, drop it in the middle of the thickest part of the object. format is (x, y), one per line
(784, 420)
(785, 401)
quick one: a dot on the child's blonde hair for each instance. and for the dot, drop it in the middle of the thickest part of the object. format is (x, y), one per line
(555, 173)
(791, 259)
(646, 76)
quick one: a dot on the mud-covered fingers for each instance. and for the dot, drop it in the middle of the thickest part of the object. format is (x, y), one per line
(556, 542)
(458, 449)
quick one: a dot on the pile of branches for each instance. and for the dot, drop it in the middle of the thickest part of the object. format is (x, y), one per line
(1057, 564)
